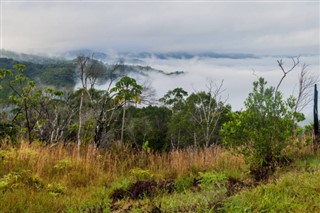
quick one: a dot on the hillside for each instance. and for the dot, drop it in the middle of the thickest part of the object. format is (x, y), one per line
(62, 73)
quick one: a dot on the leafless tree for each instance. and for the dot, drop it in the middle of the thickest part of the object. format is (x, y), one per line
(148, 93)
(90, 71)
(307, 80)
(209, 109)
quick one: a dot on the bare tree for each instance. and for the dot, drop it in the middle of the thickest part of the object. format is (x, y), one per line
(209, 109)
(148, 93)
(306, 82)
(89, 73)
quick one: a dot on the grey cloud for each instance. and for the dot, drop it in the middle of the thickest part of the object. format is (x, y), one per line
(133, 26)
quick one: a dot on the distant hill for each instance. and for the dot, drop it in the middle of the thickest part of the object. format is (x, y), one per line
(59, 75)
(22, 57)
(139, 57)
(86, 52)
(186, 55)
(62, 73)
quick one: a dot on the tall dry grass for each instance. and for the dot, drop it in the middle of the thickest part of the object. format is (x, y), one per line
(66, 161)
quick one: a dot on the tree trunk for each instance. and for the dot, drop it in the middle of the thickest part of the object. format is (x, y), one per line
(28, 122)
(99, 128)
(80, 119)
(207, 135)
(123, 122)
(315, 114)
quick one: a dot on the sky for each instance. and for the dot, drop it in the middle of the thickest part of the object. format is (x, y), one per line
(257, 27)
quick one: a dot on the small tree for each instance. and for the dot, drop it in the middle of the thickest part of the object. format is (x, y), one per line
(264, 129)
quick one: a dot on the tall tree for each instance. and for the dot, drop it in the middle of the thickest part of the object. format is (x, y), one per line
(175, 101)
(26, 99)
(126, 90)
(105, 107)
(89, 71)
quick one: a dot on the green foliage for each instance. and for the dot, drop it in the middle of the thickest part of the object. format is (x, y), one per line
(142, 174)
(127, 89)
(55, 189)
(145, 147)
(183, 183)
(197, 120)
(148, 124)
(264, 128)
(8, 131)
(210, 179)
(121, 183)
(45, 73)
(174, 98)
(36, 111)
(65, 164)
(20, 179)
(3, 74)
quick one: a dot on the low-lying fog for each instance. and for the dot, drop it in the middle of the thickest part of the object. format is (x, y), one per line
(237, 75)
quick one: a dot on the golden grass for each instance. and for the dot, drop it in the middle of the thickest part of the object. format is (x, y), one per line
(61, 161)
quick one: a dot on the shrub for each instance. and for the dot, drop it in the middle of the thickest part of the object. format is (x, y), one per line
(264, 129)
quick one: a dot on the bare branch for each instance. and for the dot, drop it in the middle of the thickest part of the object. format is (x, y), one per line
(295, 62)
(306, 82)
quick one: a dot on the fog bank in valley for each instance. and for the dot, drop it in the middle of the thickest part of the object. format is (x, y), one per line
(237, 75)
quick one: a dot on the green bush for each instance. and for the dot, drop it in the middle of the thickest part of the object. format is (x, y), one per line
(264, 128)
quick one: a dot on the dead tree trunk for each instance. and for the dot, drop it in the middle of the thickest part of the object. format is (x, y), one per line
(315, 115)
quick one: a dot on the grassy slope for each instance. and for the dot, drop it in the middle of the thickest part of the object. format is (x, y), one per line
(34, 178)
(296, 189)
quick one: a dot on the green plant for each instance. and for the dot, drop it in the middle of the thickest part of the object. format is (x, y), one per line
(55, 189)
(210, 179)
(145, 147)
(141, 174)
(64, 164)
(20, 179)
(183, 183)
(121, 183)
(264, 129)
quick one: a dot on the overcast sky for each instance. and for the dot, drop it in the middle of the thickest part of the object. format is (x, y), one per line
(244, 27)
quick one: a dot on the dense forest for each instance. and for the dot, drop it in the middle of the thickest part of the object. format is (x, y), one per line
(103, 116)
